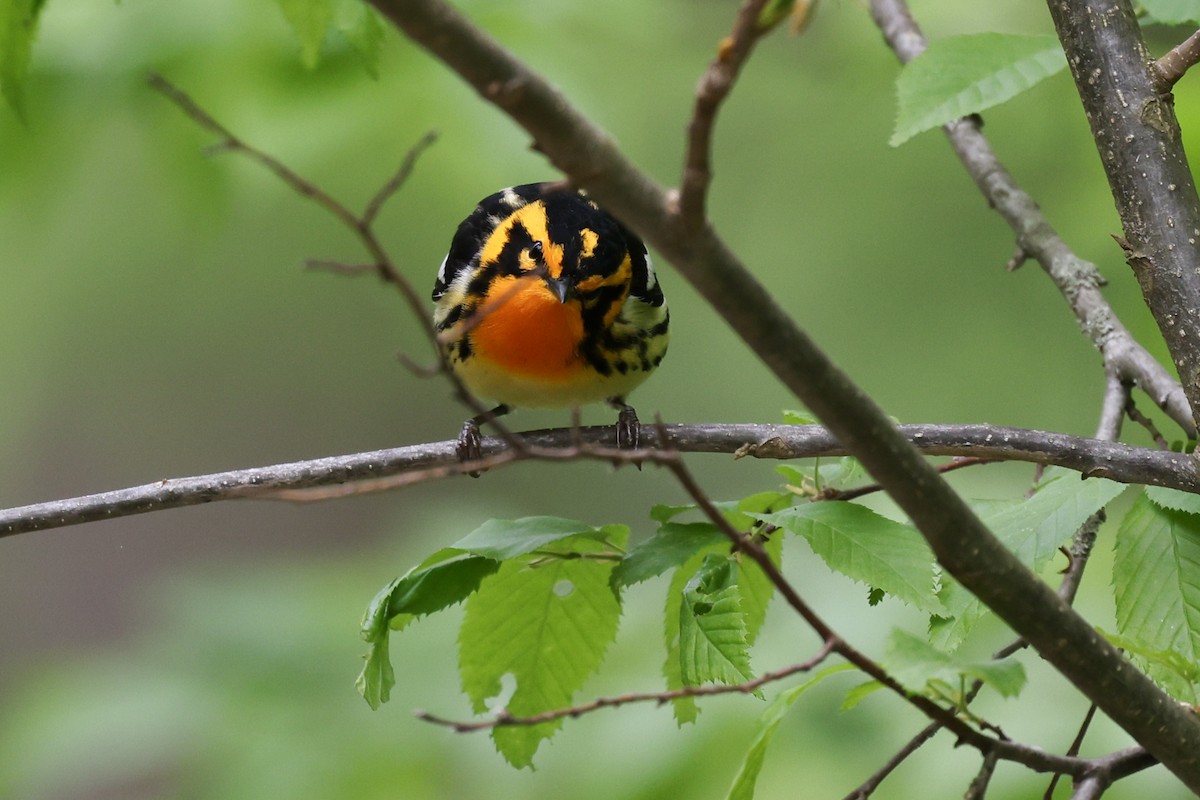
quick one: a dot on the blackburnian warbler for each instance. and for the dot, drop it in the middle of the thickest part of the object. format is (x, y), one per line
(545, 300)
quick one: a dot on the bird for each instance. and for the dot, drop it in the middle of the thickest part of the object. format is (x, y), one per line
(545, 300)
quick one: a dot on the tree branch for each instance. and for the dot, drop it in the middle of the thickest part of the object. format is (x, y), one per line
(1177, 61)
(1078, 281)
(384, 469)
(1138, 138)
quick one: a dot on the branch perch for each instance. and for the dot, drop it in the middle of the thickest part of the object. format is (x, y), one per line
(383, 469)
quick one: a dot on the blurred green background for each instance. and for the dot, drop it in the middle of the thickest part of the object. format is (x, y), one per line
(156, 321)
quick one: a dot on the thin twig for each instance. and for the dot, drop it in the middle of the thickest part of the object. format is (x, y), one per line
(1073, 750)
(504, 719)
(868, 787)
(1137, 416)
(714, 87)
(1177, 61)
(397, 180)
(978, 788)
(1112, 410)
(361, 227)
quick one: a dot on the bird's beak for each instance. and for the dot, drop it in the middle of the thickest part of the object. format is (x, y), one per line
(560, 288)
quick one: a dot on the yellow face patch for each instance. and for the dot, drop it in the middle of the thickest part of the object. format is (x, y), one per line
(533, 219)
(590, 239)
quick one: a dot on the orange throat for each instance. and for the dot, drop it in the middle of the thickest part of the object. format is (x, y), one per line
(526, 330)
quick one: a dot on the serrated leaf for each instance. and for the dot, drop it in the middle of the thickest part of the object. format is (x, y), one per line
(1156, 577)
(503, 539)
(768, 723)
(672, 545)
(310, 21)
(712, 627)
(915, 663)
(18, 26)
(684, 708)
(1174, 499)
(867, 547)
(966, 74)
(442, 580)
(756, 588)
(376, 680)
(548, 627)
(1173, 12)
(1033, 530)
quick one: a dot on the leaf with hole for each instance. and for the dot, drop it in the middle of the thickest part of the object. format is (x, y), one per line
(548, 626)
(713, 644)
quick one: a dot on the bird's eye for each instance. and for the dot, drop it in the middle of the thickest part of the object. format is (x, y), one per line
(535, 251)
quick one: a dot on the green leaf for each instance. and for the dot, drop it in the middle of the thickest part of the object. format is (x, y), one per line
(445, 578)
(795, 417)
(915, 663)
(442, 580)
(755, 588)
(743, 514)
(856, 695)
(663, 513)
(18, 25)
(358, 23)
(310, 20)
(768, 723)
(503, 539)
(376, 680)
(1175, 664)
(963, 75)
(867, 547)
(1156, 576)
(825, 474)
(1033, 531)
(1173, 12)
(671, 546)
(712, 627)
(548, 627)
(1174, 499)
(684, 708)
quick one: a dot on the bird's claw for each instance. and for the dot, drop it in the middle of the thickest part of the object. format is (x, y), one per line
(470, 445)
(629, 431)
